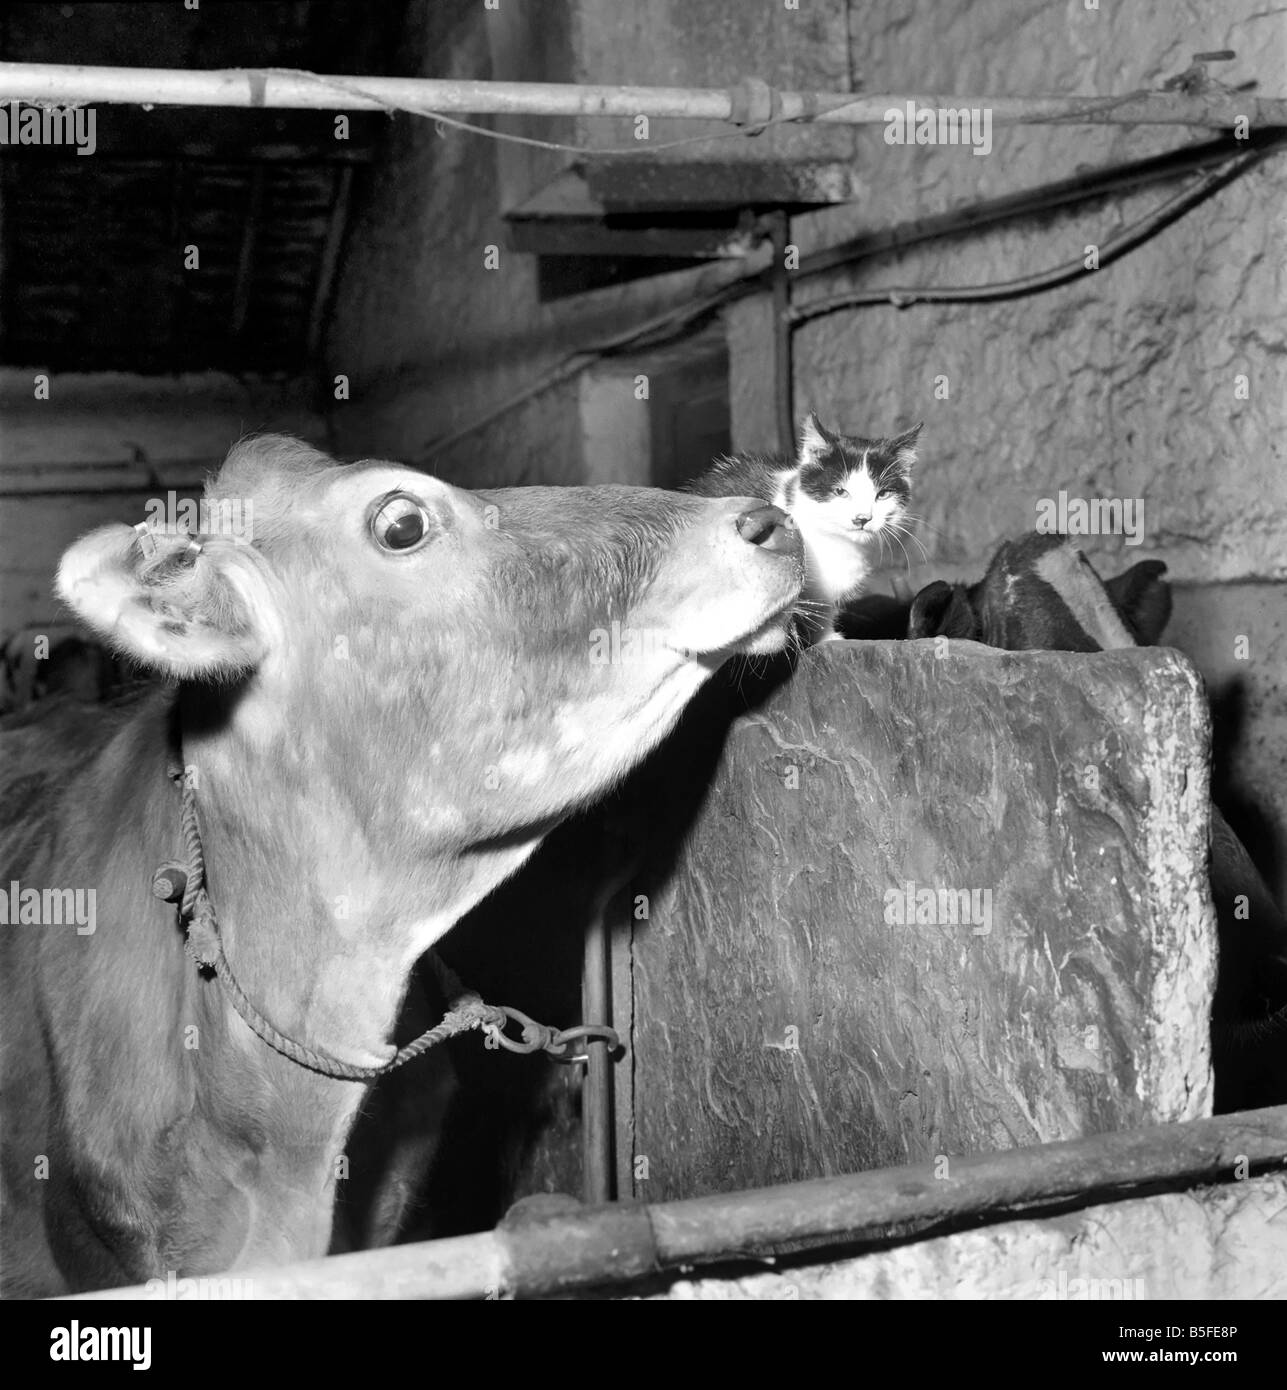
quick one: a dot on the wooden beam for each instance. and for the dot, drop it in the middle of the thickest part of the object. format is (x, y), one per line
(577, 237)
(246, 257)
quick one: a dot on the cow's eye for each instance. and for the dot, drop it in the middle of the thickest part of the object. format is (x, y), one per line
(400, 523)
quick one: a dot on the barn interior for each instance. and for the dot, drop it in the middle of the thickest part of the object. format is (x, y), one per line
(1081, 310)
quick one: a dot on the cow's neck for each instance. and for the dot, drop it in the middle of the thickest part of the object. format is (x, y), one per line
(324, 901)
(282, 849)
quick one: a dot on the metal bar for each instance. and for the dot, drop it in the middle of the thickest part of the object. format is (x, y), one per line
(618, 1244)
(596, 1094)
(279, 88)
(598, 1119)
(472, 1267)
(783, 362)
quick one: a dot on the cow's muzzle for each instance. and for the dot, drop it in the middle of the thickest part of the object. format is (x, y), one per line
(770, 528)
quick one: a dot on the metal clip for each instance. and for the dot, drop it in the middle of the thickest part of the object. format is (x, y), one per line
(538, 1037)
(753, 104)
(146, 540)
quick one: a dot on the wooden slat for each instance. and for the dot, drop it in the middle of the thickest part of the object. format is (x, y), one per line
(329, 258)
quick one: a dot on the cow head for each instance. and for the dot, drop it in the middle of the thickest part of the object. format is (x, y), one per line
(440, 669)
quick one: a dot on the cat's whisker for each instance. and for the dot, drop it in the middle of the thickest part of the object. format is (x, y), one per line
(899, 530)
(920, 521)
(906, 556)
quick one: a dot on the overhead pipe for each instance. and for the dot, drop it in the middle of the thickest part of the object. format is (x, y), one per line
(750, 102)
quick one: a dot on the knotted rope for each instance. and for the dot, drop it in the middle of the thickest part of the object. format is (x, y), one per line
(185, 884)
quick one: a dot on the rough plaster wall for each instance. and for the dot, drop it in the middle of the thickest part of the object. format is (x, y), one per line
(427, 336)
(712, 43)
(1212, 1243)
(125, 430)
(430, 338)
(1069, 789)
(1236, 635)
(1121, 383)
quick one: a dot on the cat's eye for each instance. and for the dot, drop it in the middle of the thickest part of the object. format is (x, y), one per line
(839, 492)
(400, 523)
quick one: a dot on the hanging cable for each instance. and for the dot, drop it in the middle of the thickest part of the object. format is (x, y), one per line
(674, 322)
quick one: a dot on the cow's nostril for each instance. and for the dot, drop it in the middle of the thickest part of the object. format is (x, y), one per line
(768, 527)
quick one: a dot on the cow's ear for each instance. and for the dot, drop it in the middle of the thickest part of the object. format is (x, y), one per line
(942, 610)
(179, 606)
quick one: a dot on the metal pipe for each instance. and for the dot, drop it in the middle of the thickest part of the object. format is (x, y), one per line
(751, 103)
(622, 1243)
(596, 1090)
(783, 361)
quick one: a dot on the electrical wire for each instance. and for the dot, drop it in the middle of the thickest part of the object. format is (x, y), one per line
(644, 147)
(1138, 232)
(674, 322)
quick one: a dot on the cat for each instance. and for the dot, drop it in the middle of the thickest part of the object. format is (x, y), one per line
(844, 492)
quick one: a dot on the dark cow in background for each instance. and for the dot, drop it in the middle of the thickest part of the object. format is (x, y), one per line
(384, 702)
(1042, 593)
(53, 662)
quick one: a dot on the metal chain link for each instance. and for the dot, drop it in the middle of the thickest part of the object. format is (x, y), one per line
(540, 1037)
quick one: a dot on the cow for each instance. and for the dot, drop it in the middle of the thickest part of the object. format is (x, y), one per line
(381, 696)
(1042, 593)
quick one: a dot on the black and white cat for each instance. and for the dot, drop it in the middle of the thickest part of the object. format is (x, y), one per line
(844, 492)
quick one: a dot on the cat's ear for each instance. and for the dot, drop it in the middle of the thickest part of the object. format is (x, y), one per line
(904, 446)
(814, 440)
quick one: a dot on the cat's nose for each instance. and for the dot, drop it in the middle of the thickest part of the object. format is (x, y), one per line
(861, 521)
